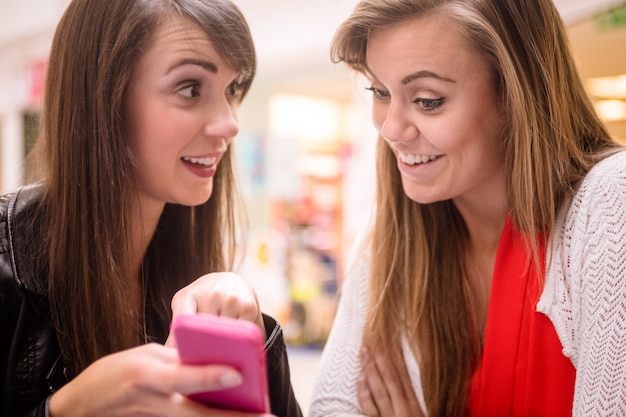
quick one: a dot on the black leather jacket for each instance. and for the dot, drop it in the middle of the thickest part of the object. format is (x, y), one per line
(31, 367)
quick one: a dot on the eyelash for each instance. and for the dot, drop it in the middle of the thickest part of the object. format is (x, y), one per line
(429, 104)
(426, 104)
(234, 90)
(194, 86)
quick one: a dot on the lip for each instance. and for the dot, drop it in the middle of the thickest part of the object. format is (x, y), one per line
(203, 166)
(416, 159)
(420, 168)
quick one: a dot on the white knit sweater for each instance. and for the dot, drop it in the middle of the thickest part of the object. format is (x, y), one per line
(584, 297)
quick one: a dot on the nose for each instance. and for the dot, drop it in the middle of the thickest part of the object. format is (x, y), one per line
(397, 125)
(222, 120)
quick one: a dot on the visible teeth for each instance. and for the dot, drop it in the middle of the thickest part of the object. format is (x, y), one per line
(207, 162)
(416, 159)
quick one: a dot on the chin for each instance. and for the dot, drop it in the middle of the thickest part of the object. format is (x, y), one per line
(422, 200)
(421, 197)
(194, 199)
(199, 202)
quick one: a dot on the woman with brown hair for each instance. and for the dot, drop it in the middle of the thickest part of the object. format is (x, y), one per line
(133, 219)
(492, 279)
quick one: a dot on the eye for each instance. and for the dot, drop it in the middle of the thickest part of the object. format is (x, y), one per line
(429, 104)
(380, 95)
(189, 91)
(234, 90)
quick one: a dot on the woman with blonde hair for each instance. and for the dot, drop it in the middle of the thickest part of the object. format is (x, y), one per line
(492, 278)
(133, 219)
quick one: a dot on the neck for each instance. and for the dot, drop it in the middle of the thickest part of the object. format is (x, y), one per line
(485, 224)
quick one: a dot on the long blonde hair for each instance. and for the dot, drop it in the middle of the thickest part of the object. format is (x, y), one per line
(551, 138)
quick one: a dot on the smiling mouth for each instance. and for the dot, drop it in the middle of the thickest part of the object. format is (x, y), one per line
(411, 159)
(200, 162)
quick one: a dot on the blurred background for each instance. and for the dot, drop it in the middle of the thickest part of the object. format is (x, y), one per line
(306, 145)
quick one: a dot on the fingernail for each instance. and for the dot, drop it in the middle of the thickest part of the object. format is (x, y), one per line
(231, 379)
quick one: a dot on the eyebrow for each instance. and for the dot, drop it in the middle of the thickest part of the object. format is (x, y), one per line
(425, 74)
(208, 66)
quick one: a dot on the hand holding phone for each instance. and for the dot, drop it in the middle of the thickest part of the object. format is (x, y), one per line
(208, 339)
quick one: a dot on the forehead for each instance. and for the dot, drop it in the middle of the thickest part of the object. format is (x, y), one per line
(177, 36)
(426, 41)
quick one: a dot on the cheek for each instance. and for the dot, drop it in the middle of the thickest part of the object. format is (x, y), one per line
(378, 116)
(140, 128)
(154, 130)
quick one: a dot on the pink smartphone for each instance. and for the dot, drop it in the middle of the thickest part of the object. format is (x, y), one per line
(205, 339)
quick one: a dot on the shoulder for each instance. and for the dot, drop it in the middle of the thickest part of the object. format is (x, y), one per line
(593, 213)
(9, 210)
(17, 212)
(608, 175)
(17, 203)
(586, 282)
(600, 196)
(587, 257)
(612, 163)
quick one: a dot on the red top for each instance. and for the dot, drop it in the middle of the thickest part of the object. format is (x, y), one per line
(523, 371)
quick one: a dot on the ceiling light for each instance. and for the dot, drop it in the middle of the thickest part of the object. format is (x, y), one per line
(608, 87)
(611, 110)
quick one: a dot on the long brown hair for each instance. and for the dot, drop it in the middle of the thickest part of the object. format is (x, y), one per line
(90, 188)
(551, 138)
